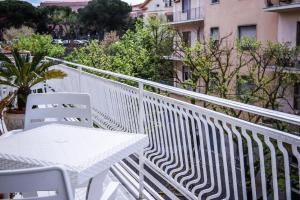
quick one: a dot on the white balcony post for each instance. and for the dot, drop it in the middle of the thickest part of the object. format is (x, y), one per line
(141, 130)
(79, 79)
(141, 108)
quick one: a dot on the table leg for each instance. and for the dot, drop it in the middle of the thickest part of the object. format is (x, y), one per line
(141, 174)
(95, 186)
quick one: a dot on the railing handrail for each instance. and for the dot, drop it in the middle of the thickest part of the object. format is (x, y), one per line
(290, 118)
(279, 4)
(189, 9)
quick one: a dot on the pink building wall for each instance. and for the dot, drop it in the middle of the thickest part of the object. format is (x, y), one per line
(229, 14)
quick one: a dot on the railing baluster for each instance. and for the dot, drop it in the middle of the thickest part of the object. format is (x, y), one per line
(141, 130)
(79, 78)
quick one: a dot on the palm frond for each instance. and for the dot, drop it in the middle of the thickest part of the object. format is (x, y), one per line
(51, 74)
(43, 67)
(8, 83)
(26, 73)
(18, 59)
(36, 61)
(8, 70)
(4, 58)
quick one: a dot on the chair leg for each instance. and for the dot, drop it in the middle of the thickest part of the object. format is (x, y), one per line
(110, 192)
(95, 186)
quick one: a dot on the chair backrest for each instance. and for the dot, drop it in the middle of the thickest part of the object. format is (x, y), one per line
(39, 88)
(63, 108)
(30, 181)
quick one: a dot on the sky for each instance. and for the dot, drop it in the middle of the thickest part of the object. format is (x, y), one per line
(37, 2)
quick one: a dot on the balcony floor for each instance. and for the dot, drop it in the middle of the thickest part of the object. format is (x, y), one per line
(122, 193)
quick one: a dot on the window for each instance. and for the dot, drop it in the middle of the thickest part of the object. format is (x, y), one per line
(297, 96)
(247, 31)
(186, 38)
(186, 5)
(215, 1)
(213, 81)
(244, 85)
(170, 18)
(186, 73)
(298, 34)
(168, 3)
(215, 35)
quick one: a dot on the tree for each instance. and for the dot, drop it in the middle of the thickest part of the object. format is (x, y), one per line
(39, 44)
(17, 13)
(23, 74)
(93, 54)
(248, 71)
(101, 16)
(15, 33)
(141, 52)
(63, 17)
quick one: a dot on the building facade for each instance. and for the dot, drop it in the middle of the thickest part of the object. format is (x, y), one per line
(271, 20)
(151, 8)
(73, 4)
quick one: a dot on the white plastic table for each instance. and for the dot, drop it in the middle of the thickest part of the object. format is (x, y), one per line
(84, 152)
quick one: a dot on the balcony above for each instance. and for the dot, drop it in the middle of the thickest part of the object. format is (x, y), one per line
(188, 16)
(282, 5)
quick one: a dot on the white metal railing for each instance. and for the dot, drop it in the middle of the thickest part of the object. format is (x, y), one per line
(188, 15)
(201, 153)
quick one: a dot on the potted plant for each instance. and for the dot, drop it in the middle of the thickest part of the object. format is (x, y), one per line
(21, 74)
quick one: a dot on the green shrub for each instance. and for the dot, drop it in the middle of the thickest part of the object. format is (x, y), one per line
(39, 44)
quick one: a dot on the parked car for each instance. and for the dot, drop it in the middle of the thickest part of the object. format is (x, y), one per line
(79, 42)
(57, 41)
(65, 42)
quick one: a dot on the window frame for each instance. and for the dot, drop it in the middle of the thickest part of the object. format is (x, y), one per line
(188, 43)
(297, 96)
(186, 73)
(216, 41)
(244, 26)
(214, 2)
(239, 90)
(298, 34)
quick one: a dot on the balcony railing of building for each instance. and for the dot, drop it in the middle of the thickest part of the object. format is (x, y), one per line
(193, 151)
(189, 15)
(281, 4)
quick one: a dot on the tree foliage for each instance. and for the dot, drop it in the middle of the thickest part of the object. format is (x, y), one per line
(141, 52)
(39, 44)
(248, 71)
(93, 54)
(56, 17)
(17, 13)
(23, 74)
(15, 33)
(101, 16)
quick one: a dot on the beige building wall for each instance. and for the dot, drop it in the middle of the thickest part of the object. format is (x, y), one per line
(229, 14)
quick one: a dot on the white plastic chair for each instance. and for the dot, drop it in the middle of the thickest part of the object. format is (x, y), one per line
(63, 108)
(39, 88)
(30, 181)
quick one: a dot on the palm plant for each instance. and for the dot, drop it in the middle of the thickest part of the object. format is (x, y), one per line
(22, 74)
